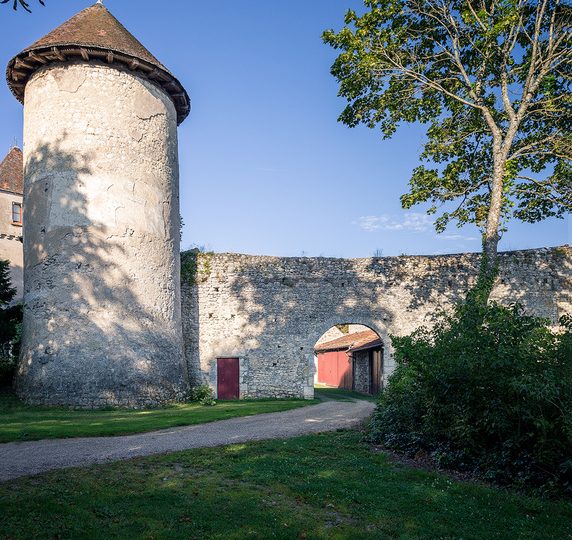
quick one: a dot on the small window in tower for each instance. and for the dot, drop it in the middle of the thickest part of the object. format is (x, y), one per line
(16, 213)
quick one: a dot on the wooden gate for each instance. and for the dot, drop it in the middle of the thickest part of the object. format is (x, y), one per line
(375, 371)
(228, 384)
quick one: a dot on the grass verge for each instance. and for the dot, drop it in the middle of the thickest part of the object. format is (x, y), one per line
(320, 486)
(340, 394)
(19, 422)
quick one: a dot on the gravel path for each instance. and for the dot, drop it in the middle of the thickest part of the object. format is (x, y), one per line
(33, 457)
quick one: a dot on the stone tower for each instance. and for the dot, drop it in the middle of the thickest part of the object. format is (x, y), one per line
(102, 321)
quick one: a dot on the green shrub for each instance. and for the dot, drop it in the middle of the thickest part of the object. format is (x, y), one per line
(7, 370)
(203, 394)
(487, 391)
(10, 326)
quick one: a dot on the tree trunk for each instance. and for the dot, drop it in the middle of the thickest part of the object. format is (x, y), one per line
(491, 237)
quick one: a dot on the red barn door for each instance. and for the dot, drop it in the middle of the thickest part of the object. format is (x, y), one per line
(328, 368)
(227, 371)
(335, 369)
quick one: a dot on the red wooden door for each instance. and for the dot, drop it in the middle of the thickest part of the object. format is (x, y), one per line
(227, 372)
(335, 369)
(328, 368)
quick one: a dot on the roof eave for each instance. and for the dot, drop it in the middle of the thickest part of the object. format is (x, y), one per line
(21, 68)
(344, 349)
(11, 192)
(373, 345)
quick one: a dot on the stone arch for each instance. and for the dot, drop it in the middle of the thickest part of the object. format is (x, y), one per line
(273, 309)
(364, 320)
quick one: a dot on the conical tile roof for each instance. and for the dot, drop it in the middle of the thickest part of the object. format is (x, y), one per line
(94, 35)
(12, 171)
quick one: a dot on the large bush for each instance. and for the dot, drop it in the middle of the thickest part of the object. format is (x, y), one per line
(10, 326)
(488, 391)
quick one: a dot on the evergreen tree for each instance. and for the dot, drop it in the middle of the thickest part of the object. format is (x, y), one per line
(7, 292)
(10, 325)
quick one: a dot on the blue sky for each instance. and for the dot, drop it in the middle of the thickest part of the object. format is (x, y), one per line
(265, 166)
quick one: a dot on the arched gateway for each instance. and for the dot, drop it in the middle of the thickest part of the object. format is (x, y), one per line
(268, 312)
(102, 319)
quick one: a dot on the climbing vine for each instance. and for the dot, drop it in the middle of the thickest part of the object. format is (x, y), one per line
(196, 266)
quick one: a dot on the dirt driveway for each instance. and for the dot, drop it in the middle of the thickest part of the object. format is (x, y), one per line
(33, 457)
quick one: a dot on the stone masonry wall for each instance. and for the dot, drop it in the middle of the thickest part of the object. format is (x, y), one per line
(362, 374)
(270, 311)
(102, 319)
(329, 335)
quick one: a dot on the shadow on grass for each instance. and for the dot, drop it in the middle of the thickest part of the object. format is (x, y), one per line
(340, 394)
(321, 486)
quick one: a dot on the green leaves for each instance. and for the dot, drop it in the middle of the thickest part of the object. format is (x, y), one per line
(10, 325)
(488, 392)
(7, 291)
(492, 82)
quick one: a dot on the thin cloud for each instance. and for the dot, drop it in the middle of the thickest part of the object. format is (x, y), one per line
(457, 237)
(412, 221)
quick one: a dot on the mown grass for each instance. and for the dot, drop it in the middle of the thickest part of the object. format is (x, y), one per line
(340, 394)
(320, 486)
(19, 422)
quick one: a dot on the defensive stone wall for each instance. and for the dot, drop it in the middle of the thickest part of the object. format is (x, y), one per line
(270, 311)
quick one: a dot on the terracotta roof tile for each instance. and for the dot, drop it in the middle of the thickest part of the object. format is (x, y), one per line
(95, 26)
(12, 172)
(94, 34)
(358, 340)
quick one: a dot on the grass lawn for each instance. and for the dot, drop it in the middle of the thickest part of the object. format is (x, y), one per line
(339, 394)
(20, 422)
(319, 486)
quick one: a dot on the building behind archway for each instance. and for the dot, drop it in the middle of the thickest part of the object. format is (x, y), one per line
(11, 212)
(268, 312)
(351, 361)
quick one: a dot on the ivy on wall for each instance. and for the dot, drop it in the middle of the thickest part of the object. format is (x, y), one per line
(196, 266)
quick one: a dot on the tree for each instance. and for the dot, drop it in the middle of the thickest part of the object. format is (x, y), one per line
(10, 325)
(23, 3)
(492, 80)
(7, 292)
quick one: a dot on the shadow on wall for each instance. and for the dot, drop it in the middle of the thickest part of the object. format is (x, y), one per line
(91, 335)
(17, 278)
(531, 277)
(270, 311)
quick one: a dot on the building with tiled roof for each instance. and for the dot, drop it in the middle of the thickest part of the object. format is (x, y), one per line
(12, 172)
(351, 361)
(350, 342)
(11, 189)
(101, 235)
